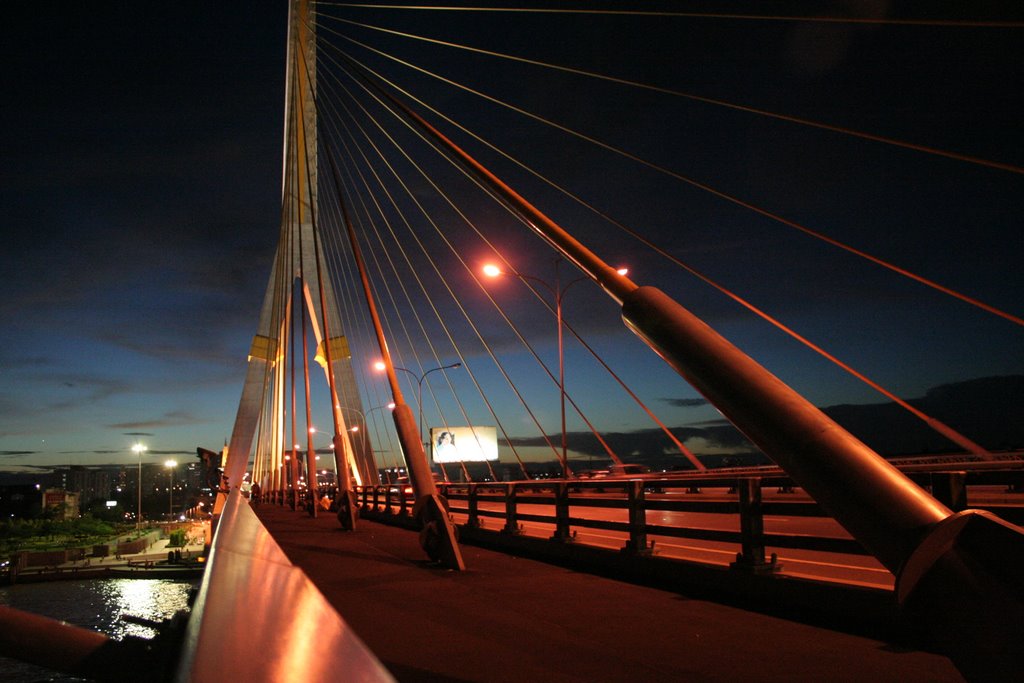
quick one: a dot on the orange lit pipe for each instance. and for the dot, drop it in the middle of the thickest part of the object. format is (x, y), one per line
(46, 642)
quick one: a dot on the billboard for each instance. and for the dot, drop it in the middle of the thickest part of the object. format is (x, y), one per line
(463, 444)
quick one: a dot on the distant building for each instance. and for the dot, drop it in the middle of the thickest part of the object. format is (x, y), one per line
(91, 483)
(64, 504)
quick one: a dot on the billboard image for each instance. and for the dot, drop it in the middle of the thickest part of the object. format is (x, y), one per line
(463, 444)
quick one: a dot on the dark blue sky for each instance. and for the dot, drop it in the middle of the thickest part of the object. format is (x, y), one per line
(141, 160)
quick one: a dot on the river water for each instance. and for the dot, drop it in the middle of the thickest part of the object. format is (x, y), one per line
(95, 604)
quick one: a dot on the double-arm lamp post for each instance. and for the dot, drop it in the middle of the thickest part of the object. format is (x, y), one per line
(419, 387)
(362, 429)
(558, 291)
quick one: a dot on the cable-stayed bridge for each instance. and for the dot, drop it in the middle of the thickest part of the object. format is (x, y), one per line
(678, 229)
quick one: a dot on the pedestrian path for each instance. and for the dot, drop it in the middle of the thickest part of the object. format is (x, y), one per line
(511, 619)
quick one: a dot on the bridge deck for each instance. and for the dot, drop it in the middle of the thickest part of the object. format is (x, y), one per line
(513, 619)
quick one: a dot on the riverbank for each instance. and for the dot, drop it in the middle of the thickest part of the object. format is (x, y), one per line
(159, 560)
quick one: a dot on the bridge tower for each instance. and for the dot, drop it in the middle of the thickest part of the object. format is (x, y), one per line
(299, 267)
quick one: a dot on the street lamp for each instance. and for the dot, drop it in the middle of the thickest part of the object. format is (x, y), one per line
(139, 449)
(419, 386)
(170, 465)
(365, 416)
(491, 270)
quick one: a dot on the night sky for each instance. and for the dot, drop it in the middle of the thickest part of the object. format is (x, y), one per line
(141, 180)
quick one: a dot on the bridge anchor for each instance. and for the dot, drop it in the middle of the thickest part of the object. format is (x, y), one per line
(348, 510)
(963, 587)
(439, 537)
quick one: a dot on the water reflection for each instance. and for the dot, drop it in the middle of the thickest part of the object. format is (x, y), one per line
(95, 604)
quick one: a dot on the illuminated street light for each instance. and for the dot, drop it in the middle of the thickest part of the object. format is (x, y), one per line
(491, 270)
(139, 449)
(379, 365)
(170, 465)
(390, 406)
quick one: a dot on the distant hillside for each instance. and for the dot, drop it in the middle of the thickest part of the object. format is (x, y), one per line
(989, 411)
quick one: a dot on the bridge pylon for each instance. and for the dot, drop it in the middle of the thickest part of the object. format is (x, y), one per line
(299, 290)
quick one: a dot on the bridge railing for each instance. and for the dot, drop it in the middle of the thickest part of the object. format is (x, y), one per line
(724, 494)
(631, 496)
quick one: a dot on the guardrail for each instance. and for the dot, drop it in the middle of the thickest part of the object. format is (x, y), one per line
(640, 496)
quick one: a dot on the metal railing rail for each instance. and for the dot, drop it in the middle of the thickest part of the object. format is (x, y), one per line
(631, 495)
(254, 600)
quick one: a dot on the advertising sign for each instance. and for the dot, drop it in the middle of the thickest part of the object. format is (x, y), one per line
(463, 444)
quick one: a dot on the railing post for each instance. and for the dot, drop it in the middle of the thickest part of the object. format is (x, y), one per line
(388, 500)
(403, 509)
(473, 522)
(950, 488)
(751, 557)
(511, 518)
(376, 498)
(562, 533)
(636, 502)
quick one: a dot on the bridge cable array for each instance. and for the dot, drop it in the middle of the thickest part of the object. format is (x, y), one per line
(934, 423)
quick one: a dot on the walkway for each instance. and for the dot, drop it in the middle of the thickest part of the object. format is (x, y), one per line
(513, 619)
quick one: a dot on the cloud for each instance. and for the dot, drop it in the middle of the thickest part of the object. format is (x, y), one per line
(13, 363)
(984, 409)
(176, 418)
(138, 434)
(652, 446)
(95, 388)
(685, 402)
(16, 454)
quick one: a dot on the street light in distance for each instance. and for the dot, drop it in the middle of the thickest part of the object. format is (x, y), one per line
(380, 366)
(139, 449)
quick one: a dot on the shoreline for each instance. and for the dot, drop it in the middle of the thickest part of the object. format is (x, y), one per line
(159, 560)
(142, 570)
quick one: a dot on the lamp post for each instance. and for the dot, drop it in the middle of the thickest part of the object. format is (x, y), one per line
(361, 430)
(419, 387)
(170, 465)
(558, 291)
(139, 449)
